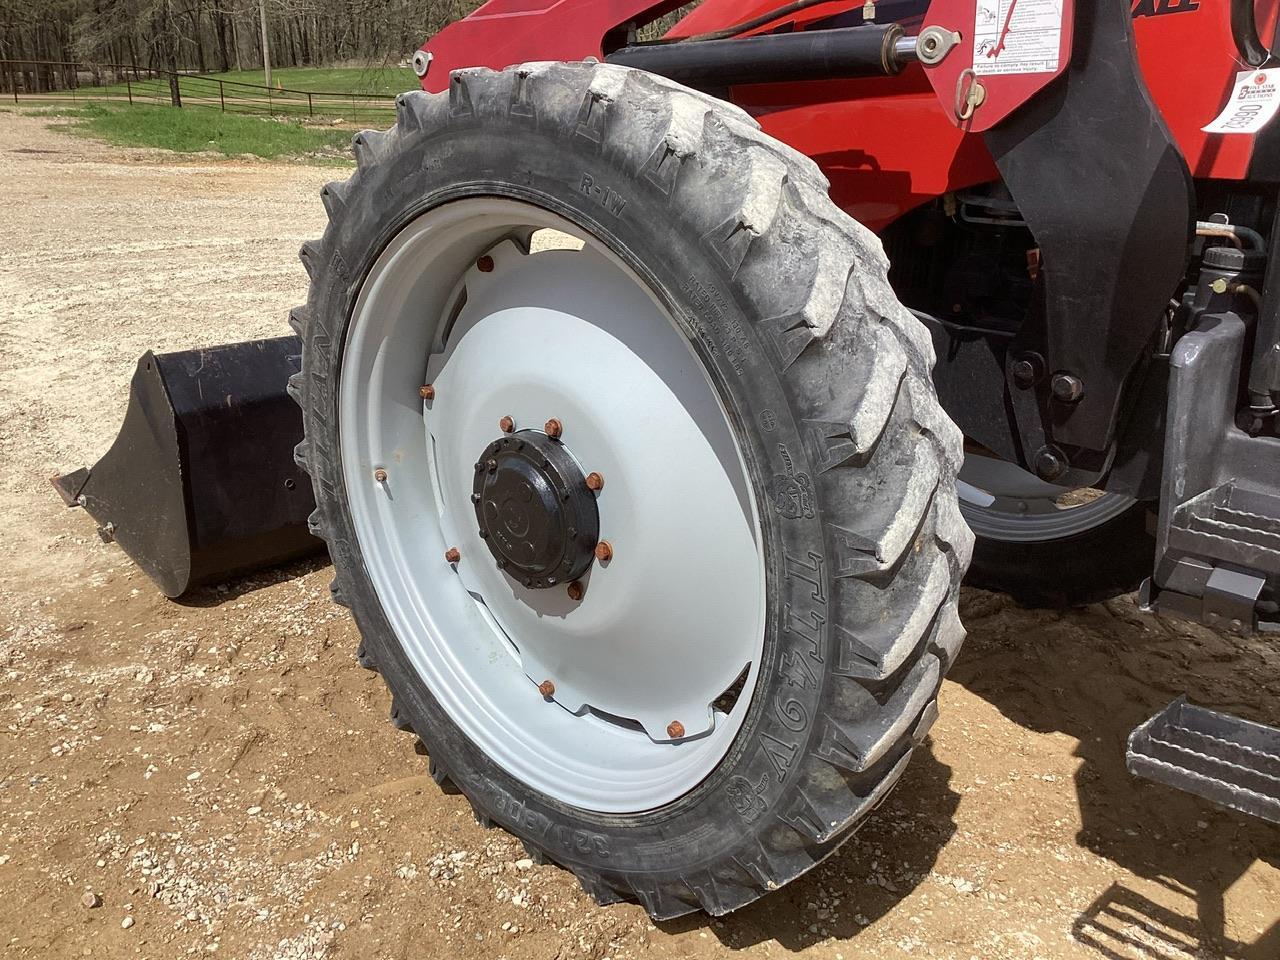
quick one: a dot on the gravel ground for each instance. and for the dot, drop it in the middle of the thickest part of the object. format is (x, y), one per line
(217, 775)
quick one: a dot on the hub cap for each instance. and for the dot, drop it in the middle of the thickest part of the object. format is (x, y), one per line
(536, 515)
(616, 684)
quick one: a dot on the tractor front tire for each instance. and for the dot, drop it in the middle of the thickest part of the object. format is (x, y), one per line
(781, 305)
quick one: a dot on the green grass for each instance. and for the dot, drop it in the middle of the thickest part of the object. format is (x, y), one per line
(196, 129)
(373, 80)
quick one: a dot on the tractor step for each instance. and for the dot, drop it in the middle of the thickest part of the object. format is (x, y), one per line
(1230, 524)
(1234, 763)
(1221, 560)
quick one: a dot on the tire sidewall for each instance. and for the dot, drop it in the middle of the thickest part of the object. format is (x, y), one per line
(658, 240)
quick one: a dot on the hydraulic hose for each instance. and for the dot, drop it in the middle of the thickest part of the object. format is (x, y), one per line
(1244, 30)
(841, 53)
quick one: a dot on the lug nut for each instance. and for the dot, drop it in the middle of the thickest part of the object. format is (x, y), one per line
(380, 475)
(506, 425)
(485, 264)
(1024, 373)
(452, 555)
(553, 428)
(675, 729)
(1049, 464)
(1067, 387)
(604, 551)
(547, 688)
(575, 591)
(595, 481)
(427, 392)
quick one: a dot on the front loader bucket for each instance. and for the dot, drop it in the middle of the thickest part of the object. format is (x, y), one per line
(200, 484)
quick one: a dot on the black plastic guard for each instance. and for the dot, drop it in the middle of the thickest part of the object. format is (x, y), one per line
(1108, 196)
(200, 484)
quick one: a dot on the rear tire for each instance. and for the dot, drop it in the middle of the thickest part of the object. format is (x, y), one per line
(1050, 546)
(1099, 563)
(825, 380)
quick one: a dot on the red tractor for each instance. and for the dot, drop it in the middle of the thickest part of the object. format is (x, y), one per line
(659, 393)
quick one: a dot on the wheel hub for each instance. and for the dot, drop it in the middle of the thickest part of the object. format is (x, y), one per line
(572, 690)
(536, 514)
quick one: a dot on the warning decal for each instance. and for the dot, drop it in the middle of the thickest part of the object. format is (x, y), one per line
(1253, 102)
(1017, 36)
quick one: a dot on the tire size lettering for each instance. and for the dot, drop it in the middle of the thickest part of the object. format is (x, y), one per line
(709, 303)
(508, 808)
(606, 196)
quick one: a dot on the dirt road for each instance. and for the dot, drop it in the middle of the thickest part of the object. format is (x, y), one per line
(219, 777)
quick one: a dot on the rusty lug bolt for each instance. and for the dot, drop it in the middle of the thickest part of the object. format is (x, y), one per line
(553, 428)
(604, 551)
(427, 391)
(595, 481)
(485, 264)
(380, 475)
(675, 729)
(547, 688)
(452, 555)
(575, 590)
(506, 425)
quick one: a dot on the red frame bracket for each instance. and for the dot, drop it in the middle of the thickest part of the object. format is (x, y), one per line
(1007, 85)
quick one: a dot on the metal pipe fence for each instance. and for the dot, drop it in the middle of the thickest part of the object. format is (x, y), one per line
(55, 82)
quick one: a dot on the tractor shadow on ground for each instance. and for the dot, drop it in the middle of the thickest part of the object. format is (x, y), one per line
(215, 595)
(891, 854)
(1094, 674)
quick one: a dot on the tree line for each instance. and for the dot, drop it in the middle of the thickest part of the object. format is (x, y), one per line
(114, 37)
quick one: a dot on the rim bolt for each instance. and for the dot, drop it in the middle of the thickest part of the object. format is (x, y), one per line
(553, 428)
(452, 555)
(380, 475)
(427, 391)
(547, 688)
(595, 481)
(485, 264)
(575, 590)
(675, 729)
(491, 465)
(604, 551)
(506, 425)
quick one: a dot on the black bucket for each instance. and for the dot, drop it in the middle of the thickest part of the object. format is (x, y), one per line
(200, 484)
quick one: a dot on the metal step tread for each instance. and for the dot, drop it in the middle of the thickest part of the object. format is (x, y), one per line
(1232, 762)
(1245, 518)
(1232, 524)
(1236, 531)
(1214, 546)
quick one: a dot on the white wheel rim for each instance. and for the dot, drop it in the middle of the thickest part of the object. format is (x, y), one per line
(1001, 501)
(672, 621)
